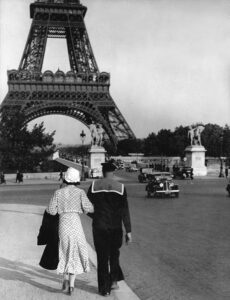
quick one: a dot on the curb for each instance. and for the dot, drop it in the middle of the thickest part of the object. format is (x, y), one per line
(124, 292)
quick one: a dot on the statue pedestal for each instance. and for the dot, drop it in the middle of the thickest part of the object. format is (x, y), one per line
(96, 158)
(195, 156)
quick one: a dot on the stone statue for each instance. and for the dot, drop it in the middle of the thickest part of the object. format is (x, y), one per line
(94, 134)
(100, 132)
(97, 134)
(194, 134)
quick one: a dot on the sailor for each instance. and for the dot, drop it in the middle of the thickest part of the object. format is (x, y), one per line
(111, 209)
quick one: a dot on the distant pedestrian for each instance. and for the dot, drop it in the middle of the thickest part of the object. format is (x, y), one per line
(60, 176)
(2, 178)
(226, 172)
(191, 175)
(19, 177)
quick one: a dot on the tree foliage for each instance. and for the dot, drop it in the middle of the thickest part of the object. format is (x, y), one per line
(26, 150)
(130, 146)
(20, 148)
(150, 144)
(215, 139)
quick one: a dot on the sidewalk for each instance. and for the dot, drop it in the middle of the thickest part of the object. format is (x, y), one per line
(48, 181)
(20, 275)
(32, 181)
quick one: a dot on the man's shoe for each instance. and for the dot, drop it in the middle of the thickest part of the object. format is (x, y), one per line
(105, 294)
(114, 285)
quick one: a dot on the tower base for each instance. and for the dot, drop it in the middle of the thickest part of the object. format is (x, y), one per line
(195, 156)
(96, 158)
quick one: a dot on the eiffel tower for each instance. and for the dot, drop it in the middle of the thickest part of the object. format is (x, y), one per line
(81, 93)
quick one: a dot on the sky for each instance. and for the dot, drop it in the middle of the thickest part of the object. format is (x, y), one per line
(169, 60)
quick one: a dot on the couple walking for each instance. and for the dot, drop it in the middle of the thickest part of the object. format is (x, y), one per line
(106, 203)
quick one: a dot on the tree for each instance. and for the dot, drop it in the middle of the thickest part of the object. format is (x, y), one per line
(211, 139)
(151, 145)
(181, 140)
(20, 148)
(165, 142)
(109, 147)
(226, 141)
(127, 146)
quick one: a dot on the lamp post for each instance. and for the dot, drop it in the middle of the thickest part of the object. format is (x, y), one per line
(221, 154)
(82, 136)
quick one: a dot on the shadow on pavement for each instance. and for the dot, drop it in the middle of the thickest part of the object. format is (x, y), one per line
(18, 271)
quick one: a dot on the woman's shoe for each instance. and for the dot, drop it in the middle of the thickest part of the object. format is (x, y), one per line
(65, 285)
(70, 291)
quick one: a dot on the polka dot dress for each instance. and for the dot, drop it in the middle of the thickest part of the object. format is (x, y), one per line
(69, 202)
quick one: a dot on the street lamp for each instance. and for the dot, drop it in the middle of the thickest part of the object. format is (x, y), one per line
(221, 154)
(82, 136)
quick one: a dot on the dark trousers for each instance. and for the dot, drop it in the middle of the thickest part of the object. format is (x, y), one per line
(107, 244)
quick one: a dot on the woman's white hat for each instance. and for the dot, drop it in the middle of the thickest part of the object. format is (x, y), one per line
(72, 175)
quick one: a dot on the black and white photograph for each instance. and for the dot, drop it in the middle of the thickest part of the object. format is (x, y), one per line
(115, 149)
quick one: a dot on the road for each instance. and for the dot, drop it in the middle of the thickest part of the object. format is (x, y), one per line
(181, 247)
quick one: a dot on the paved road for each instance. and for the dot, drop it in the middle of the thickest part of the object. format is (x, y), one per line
(181, 246)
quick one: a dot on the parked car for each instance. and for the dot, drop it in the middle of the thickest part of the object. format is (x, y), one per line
(131, 168)
(134, 169)
(183, 172)
(121, 166)
(162, 184)
(142, 177)
(145, 174)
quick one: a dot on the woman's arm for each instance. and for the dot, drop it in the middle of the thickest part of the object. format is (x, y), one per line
(52, 208)
(87, 206)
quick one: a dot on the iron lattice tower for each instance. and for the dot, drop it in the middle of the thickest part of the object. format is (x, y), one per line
(83, 92)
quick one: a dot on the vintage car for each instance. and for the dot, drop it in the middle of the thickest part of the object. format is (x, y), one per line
(228, 189)
(161, 184)
(131, 168)
(145, 174)
(183, 172)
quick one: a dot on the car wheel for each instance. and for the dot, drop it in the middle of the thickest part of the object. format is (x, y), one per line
(148, 194)
(177, 195)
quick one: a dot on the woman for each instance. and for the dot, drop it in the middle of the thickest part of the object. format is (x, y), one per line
(69, 202)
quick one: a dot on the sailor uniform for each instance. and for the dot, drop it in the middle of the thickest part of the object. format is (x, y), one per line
(111, 209)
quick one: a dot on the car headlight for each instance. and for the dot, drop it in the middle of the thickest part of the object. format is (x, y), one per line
(161, 185)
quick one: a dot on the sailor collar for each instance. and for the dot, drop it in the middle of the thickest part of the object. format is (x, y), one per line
(107, 187)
